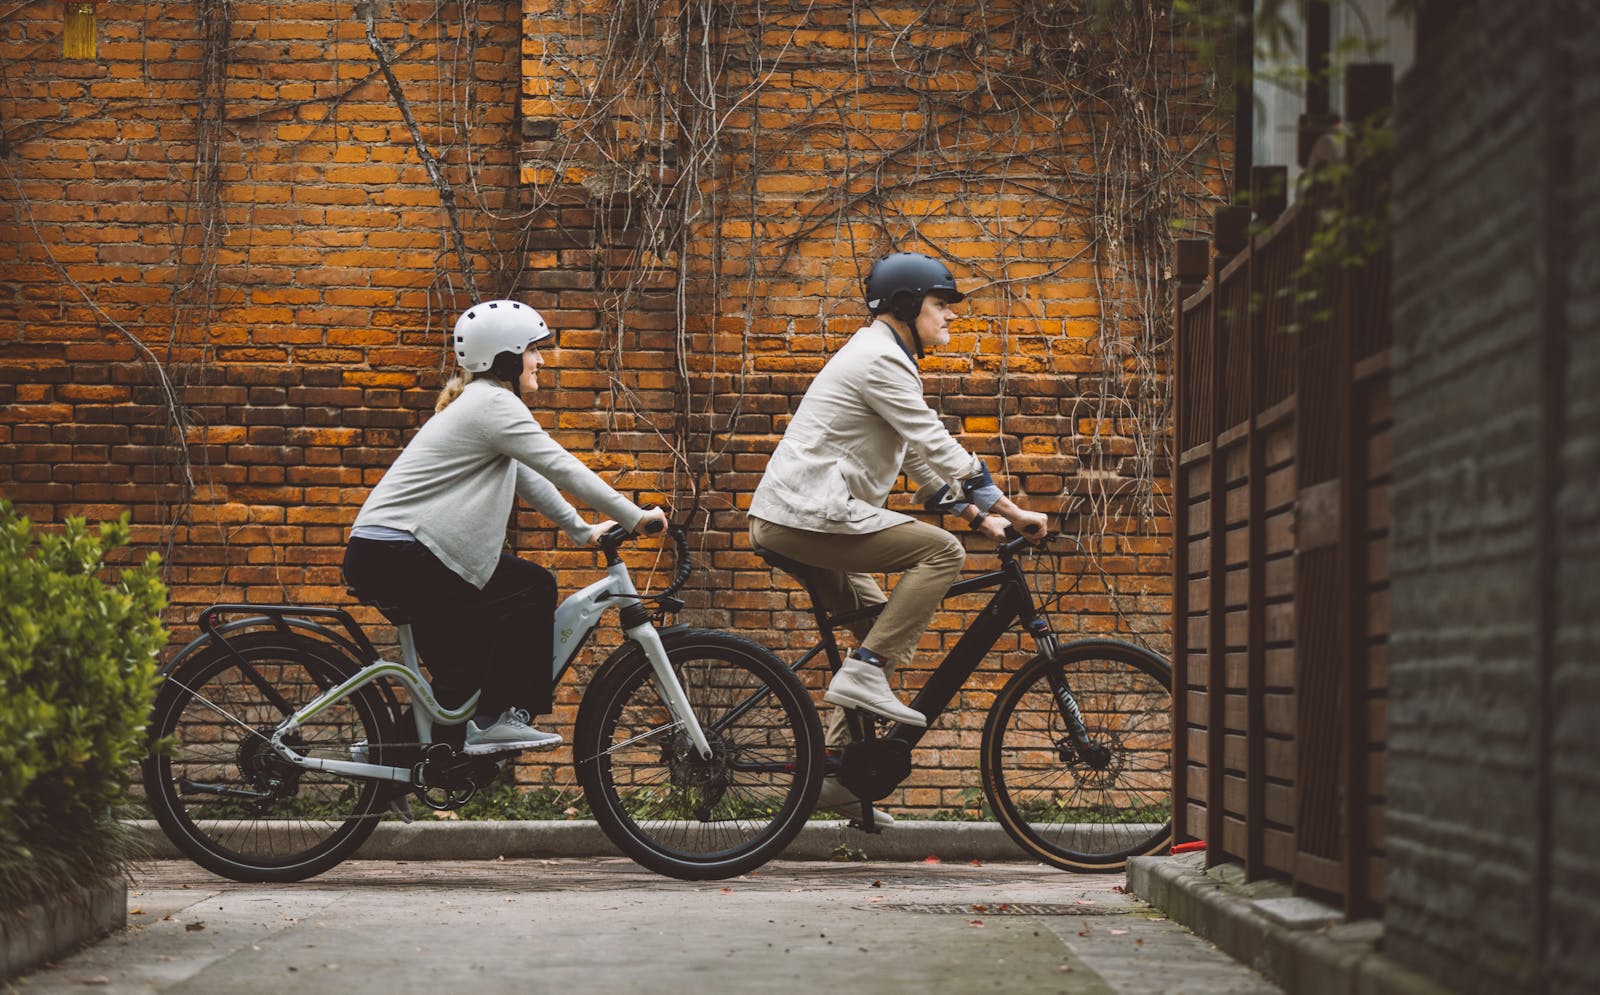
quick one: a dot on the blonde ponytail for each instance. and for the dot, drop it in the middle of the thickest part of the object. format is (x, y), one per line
(452, 390)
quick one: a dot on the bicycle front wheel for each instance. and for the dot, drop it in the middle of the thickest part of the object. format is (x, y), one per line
(667, 807)
(224, 796)
(1085, 806)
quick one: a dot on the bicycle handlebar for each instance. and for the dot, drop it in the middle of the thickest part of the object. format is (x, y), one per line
(1016, 540)
(615, 537)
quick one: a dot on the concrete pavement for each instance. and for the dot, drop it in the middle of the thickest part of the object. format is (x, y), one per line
(604, 925)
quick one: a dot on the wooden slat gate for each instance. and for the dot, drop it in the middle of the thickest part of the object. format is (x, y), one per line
(1280, 544)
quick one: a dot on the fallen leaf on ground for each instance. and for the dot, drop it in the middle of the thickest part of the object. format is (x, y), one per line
(930, 859)
(193, 927)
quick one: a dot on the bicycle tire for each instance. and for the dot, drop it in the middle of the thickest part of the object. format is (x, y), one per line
(208, 776)
(1073, 812)
(656, 800)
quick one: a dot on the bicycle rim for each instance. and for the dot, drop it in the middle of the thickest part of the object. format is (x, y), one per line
(1078, 811)
(674, 812)
(220, 792)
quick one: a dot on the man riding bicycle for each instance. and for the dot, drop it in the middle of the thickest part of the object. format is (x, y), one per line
(820, 502)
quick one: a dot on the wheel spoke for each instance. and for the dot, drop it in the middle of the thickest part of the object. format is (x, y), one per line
(258, 816)
(675, 810)
(1094, 806)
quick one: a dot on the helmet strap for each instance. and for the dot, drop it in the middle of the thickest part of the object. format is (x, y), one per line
(506, 367)
(907, 310)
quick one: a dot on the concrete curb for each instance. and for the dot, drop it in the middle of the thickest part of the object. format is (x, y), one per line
(431, 839)
(1298, 943)
(34, 934)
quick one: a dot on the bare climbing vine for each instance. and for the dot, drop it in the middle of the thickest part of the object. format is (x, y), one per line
(1090, 114)
(1071, 136)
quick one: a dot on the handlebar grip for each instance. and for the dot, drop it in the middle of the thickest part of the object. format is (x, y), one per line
(653, 526)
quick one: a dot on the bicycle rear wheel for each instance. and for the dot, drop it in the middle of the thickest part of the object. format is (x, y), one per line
(220, 792)
(656, 798)
(1086, 809)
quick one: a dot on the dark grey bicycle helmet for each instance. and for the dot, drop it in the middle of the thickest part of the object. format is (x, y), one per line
(899, 281)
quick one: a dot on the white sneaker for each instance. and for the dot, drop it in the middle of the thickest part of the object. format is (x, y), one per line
(511, 732)
(859, 684)
(837, 797)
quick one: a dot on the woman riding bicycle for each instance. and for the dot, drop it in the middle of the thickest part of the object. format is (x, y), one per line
(428, 542)
(820, 502)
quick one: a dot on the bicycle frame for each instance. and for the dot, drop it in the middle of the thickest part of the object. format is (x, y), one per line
(575, 620)
(1012, 602)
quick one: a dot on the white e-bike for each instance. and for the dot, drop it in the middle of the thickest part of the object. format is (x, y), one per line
(280, 737)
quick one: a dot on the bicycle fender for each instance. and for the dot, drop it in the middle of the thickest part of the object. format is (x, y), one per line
(335, 640)
(313, 629)
(669, 635)
(1121, 644)
(194, 646)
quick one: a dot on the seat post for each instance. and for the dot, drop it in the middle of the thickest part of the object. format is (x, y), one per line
(825, 624)
(413, 663)
(408, 648)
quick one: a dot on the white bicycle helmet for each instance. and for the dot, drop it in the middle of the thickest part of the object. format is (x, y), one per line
(492, 327)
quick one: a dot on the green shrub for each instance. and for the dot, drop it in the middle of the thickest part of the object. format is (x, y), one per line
(77, 675)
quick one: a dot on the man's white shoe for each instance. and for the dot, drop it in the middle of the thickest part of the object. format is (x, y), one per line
(859, 684)
(512, 732)
(837, 797)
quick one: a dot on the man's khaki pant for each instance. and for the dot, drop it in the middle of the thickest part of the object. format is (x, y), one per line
(930, 557)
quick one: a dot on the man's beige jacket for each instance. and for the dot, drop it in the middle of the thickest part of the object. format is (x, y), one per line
(861, 423)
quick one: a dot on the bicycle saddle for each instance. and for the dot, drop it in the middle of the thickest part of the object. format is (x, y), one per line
(394, 613)
(794, 568)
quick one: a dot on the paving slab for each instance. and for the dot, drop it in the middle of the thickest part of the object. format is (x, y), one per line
(605, 925)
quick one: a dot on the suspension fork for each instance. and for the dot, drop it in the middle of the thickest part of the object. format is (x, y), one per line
(1045, 640)
(667, 683)
(1076, 730)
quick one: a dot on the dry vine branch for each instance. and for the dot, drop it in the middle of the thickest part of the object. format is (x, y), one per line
(447, 193)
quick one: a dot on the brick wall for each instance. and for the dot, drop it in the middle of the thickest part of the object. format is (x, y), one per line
(1492, 883)
(242, 239)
